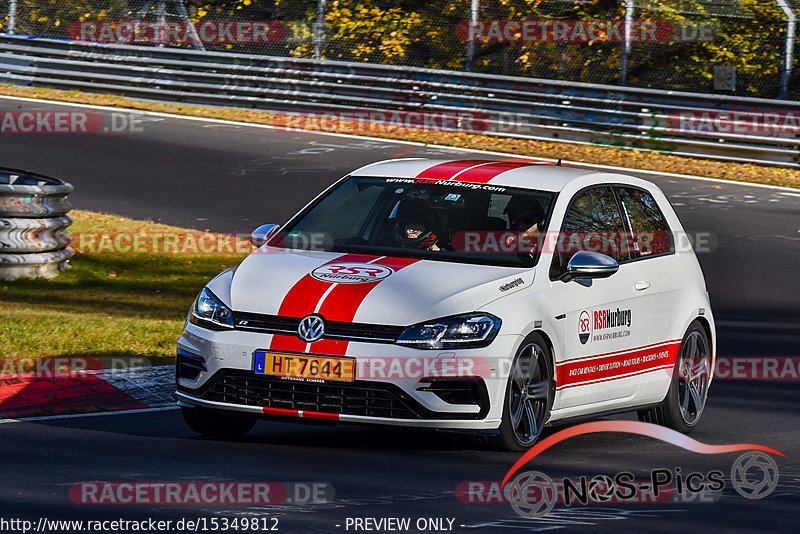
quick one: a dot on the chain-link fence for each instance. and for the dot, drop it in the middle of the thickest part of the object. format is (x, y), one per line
(733, 47)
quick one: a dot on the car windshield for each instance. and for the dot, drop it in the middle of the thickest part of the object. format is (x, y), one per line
(443, 221)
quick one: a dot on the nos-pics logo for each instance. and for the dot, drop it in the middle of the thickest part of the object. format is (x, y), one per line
(584, 327)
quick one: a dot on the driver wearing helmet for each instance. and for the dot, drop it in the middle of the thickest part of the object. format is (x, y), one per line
(413, 228)
(526, 217)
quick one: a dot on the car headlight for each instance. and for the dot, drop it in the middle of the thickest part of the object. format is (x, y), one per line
(209, 312)
(459, 331)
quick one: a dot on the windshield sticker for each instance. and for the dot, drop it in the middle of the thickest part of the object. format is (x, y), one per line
(450, 183)
(452, 196)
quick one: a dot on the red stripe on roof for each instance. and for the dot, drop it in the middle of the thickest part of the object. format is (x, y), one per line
(445, 171)
(484, 173)
(530, 161)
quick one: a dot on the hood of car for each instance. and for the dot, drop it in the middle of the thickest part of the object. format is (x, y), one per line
(365, 289)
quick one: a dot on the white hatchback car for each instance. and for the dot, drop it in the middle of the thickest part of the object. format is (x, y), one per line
(471, 295)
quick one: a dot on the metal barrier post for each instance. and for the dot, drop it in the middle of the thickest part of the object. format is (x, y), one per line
(788, 48)
(626, 48)
(469, 64)
(319, 29)
(12, 15)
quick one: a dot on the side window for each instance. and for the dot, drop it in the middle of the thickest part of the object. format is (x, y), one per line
(651, 233)
(593, 222)
(353, 202)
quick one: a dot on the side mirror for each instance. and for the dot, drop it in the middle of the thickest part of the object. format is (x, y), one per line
(261, 235)
(586, 264)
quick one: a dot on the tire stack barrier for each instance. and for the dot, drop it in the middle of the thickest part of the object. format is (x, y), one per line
(33, 225)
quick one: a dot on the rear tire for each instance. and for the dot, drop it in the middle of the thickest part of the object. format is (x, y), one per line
(687, 396)
(528, 398)
(217, 424)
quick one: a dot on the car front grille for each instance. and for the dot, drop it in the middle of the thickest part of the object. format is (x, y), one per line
(276, 324)
(373, 399)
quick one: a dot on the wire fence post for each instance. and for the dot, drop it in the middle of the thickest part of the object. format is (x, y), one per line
(319, 29)
(184, 15)
(788, 49)
(469, 64)
(626, 47)
(12, 15)
(161, 16)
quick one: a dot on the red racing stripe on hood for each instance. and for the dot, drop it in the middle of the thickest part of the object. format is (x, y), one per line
(343, 302)
(302, 299)
(445, 171)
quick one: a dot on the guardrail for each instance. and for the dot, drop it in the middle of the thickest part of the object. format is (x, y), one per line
(33, 225)
(691, 124)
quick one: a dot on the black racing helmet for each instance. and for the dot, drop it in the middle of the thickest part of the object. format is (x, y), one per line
(524, 212)
(412, 212)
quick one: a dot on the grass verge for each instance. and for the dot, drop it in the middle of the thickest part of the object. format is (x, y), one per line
(636, 159)
(106, 305)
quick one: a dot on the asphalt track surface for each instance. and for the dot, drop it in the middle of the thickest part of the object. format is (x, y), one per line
(233, 178)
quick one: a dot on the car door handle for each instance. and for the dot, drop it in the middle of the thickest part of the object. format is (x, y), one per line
(641, 285)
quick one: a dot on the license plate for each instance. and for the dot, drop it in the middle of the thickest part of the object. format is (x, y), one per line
(298, 366)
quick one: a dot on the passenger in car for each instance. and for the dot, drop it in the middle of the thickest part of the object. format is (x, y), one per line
(526, 217)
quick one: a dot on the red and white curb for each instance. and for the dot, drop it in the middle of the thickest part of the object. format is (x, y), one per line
(91, 391)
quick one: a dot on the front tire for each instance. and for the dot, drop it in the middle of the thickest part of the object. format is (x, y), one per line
(688, 390)
(217, 424)
(529, 396)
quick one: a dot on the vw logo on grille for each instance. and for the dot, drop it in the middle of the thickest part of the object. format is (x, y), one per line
(311, 328)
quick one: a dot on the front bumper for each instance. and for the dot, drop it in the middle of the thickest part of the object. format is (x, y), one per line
(400, 394)
(485, 424)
